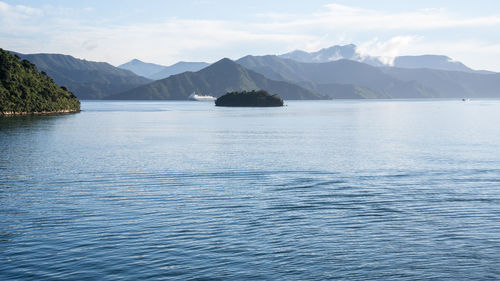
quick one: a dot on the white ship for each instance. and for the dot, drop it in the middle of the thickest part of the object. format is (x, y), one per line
(196, 97)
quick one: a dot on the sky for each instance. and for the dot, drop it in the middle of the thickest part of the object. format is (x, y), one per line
(166, 32)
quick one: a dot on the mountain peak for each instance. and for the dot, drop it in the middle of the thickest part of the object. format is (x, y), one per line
(225, 61)
(141, 68)
(217, 79)
(333, 53)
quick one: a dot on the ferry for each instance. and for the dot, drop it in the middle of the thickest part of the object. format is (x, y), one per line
(196, 97)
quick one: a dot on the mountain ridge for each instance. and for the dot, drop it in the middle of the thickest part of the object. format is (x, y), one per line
(332, 53)
(141, 68)
(86, 79)
(350, 52)
(216, 80)
(157, 71)
(329, 78)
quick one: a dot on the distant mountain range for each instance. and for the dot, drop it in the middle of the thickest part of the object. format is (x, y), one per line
(451, 84)
(431, 62)
(335, 72)
(86, 79)
(331, 78)
(333, 53)
(157, 72)
(350, 52)
(367, 81)
(216, 80)
(144, 69)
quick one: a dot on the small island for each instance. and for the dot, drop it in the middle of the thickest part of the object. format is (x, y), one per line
(24, 90)
(253, 98)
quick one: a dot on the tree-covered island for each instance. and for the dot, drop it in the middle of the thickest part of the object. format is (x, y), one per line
(25, 90)
(253, 98)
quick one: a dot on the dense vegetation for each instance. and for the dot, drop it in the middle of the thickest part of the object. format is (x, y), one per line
(215, 80)
(87, 79)
(23, 89)
(253, 98)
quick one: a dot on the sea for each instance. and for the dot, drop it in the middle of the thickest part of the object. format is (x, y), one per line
(314, 190)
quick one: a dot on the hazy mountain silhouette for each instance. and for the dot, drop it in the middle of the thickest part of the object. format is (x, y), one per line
(86, 79)
(144, 69)
(451, 84)
(156, 71)
(216, 80)
(359, 80)
(430, 61)
(350, 52)
(332, 78)
(177, 68)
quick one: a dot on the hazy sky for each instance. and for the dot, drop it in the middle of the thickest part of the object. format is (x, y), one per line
(165, 32)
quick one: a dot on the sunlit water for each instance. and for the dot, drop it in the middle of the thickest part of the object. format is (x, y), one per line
(357, 190)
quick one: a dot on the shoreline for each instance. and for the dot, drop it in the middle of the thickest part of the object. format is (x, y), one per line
(14, 113)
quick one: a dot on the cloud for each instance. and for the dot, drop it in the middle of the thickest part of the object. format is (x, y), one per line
(387, 50)
(18, 11)
(476, 54)
(415, 20)
(386, 34)
(336, 16)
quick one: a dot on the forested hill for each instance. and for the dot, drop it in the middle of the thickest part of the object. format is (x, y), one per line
(87, 79)
(25, 90)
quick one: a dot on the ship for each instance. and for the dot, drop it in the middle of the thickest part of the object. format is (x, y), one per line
(197, 97)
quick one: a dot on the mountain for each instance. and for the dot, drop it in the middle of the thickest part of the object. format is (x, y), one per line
(350, 52)
(141, 68)
(25, 90)
(430, 61)
(86, 79)
(216, 80)
(333, 53)
(177, 68)
(344, 91)
(350, 79)
(158, 72)
(451, 84)
(333, 78)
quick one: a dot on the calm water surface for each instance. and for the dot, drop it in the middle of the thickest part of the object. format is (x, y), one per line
(357, 190)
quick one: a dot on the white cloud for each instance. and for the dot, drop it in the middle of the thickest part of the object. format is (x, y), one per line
(386, 34)
(18, 11)
(336, 16)
(387, 50)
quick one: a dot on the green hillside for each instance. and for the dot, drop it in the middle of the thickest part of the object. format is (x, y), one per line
(87, 79)
(23, 89)
(217, 79)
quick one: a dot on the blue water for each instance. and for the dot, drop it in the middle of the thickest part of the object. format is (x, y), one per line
(323, 190)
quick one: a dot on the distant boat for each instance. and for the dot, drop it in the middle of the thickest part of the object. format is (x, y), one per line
(466, 99)
(196, 97)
